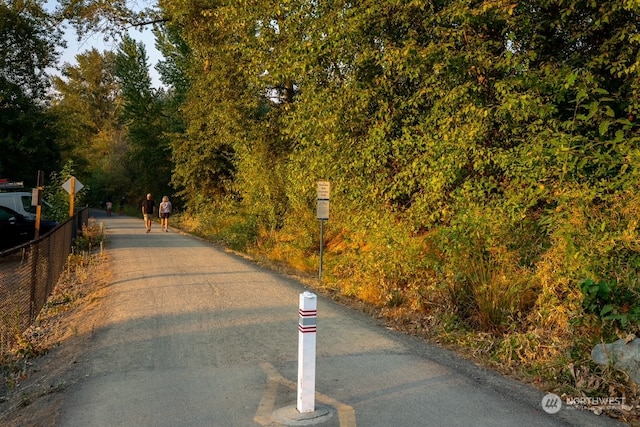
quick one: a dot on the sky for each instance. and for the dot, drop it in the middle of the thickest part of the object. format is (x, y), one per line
(75, 47)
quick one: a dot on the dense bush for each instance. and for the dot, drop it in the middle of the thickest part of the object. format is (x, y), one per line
(483, 158)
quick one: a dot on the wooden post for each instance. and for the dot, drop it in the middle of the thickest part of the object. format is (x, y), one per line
(72, 197)
(40, 187)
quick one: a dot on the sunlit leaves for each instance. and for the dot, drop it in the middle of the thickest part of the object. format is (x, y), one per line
(28, 42)
(88, 107)
(426, 111)
(145, 121)
(110, 18)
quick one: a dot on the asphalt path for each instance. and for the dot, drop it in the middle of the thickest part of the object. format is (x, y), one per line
(197, 336)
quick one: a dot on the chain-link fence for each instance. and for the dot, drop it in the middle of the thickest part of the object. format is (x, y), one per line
(28, 274)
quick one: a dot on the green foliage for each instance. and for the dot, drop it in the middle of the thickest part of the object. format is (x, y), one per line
(149, 160)
(174, 65)
(239, 234)
(27, 140)
(28, 43)
(611, 302)
(489, 264)
(475, 125)
(223, 221)
(111, 18)
(483, 156)
(91, 238)
(58, 197)
(28, 40)
(88, 108)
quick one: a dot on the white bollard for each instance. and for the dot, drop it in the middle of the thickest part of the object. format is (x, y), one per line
(307, 326)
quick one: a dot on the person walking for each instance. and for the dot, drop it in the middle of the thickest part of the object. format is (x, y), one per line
(148, 210)
(123, 201)
(165, 211)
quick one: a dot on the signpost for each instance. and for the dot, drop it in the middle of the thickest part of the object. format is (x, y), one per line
(36, 200)
(322, 213)
(72, 186)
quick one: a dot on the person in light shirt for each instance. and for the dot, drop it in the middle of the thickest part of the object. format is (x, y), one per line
(165, 211)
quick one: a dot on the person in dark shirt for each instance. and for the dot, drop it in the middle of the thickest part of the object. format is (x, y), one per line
(148, 210)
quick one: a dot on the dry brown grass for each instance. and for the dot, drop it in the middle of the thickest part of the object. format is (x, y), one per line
(43, 361)
(518, 321)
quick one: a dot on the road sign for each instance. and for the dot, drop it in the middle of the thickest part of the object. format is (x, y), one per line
(67, 185)
(323, 190)
(72, 186)
(322, 207)
(322, 213)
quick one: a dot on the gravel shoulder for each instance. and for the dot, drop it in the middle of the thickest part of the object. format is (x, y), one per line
(61, 336)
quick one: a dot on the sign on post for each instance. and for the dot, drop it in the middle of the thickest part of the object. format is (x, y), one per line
(36, 196)
(68, 183)
(322, 213)
(72, 186)
(322, 208)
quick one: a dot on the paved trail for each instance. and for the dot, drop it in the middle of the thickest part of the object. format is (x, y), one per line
(200, 337)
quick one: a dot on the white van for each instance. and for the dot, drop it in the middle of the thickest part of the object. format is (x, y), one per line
(19, 201)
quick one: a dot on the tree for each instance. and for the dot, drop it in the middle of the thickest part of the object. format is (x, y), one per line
(502, 130)
(88, 105)
(110, 18)
(28, 41)
(145, 121)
